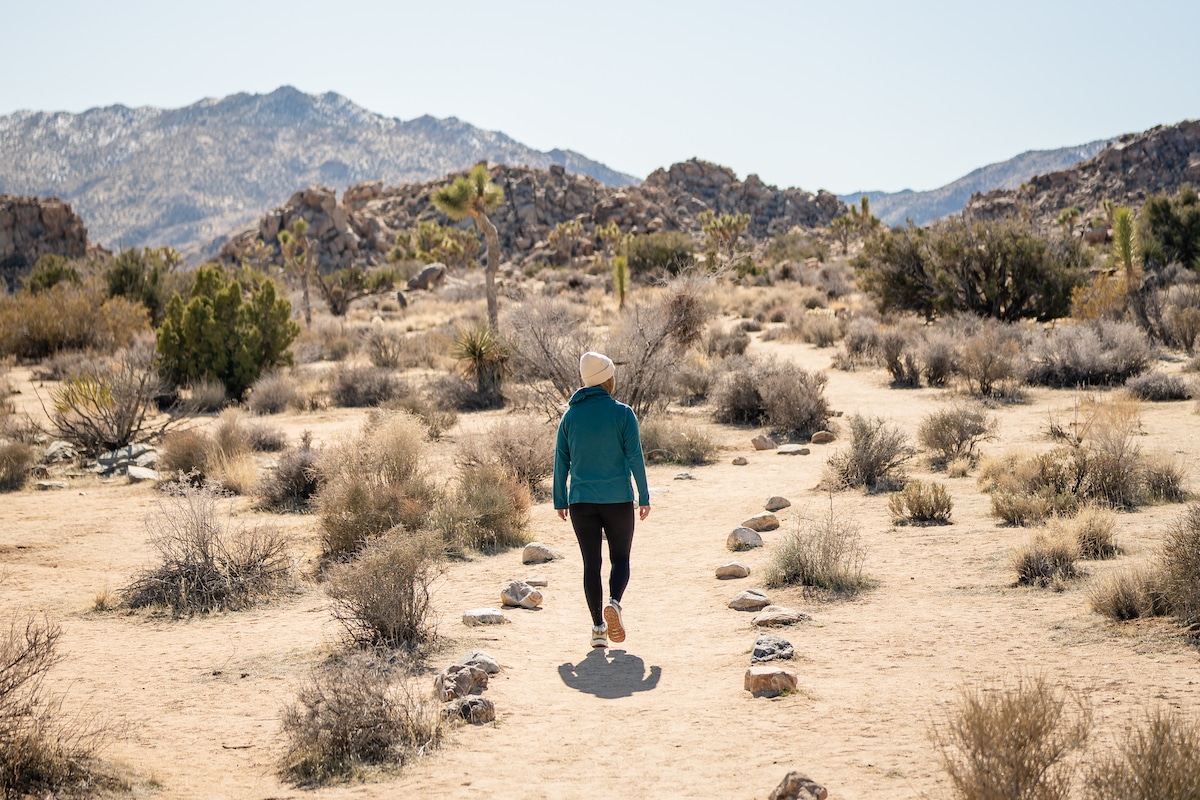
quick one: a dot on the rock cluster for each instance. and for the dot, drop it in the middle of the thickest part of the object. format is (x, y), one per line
(459, 686)
(363, 227)
(32, 227)
(519, 594)
(1127, 172)
(135, 460)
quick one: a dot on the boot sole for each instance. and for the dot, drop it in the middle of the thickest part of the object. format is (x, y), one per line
(612, 618)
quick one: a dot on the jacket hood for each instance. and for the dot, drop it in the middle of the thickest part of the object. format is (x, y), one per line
(587, 393)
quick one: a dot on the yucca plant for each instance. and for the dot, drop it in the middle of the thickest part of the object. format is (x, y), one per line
(473, 195)
(483, 357)
(621, 279)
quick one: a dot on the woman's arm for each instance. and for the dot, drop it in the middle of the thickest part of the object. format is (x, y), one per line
(562, 465)
(635, 461)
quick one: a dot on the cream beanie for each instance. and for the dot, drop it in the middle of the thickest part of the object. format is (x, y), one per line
(595, 368)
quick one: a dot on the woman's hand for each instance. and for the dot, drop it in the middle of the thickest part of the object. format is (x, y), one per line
(643, 512)
(563, 513)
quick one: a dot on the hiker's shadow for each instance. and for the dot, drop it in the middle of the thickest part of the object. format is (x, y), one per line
(610, 674)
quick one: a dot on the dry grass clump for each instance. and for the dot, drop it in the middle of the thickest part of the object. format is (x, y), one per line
(874, 458)
(374, 482)
(1178, 566)
(780, 395)
(273, 393)
(939, 357)
(205, 396)
(954, 432)
(695, 378)
(665, 439)
(207, 561)
(1163, 478)
(921, 502)
(1094, 532)
(438, 418)
(721, 343)
(385, 348)
(1047, 560)
(43, 752)
(1158, 759)
(823, 330)
(16, 459)
(524, 450)
(825, 553)
(860, 343)
(988, 361)
(1128, 594)
(360, 387)
(381, 597)
(1016, 743)
(1096, 353)
(1158, 387)
(223, 457)
(295, 480)
(487, 511)
(355, 714)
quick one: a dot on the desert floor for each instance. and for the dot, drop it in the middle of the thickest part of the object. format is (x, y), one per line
(194, 704)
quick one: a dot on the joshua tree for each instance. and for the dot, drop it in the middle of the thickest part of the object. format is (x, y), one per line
(296, 249)
(843, 228)
(863, 218)
(1125, 252)
(1067, 218)
(610, 237)
(474, 195)
(620, 279)
(724, 231)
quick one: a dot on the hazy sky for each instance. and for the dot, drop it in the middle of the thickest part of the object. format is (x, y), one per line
(837, 95)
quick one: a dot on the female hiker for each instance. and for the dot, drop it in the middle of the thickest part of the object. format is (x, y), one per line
(598, 448)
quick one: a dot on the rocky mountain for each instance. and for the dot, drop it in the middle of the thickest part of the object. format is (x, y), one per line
(31, 227)
(1128, 171)
(150, 176)
(925, 207)
(362, 228)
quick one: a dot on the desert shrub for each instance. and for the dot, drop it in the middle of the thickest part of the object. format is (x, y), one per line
(1169, 229)
(107, 404)
(43, 752)
(721, 343)
(385, 349)
(359, 387)
(1159, 758)
(823, 330)
(988, 361)
(381, 597)
(861, 340)
(220, 335)
(353, 714)
(825, 553)
(272, 393)
(958, 467)
(1098, 353)
(206, 560)
(996, 268)
(1094, 533)
(16, 459)
(374, 482)
(1182, 322)
(695, 378)
(1046, 560)
(222, 457)
(482, 356)
(680, 443)
(954, 432)
(780, 395)
(295, 480)
(546, 337)
(1015, 743)
(652, 254)
(488, 511)
(921, 502)
(874, 458)
(1163, 479)
(68, 317)
(264, 438)
(437, 418)
(205, 396)
(524, 450)
(1128, 594)
(645, 342)
(938, 356)
(185, 452)
(1158, 387)
(1179, 566)
(899, 357)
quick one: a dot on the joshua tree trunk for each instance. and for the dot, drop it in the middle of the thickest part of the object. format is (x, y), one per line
(307, 305)
(493, 264)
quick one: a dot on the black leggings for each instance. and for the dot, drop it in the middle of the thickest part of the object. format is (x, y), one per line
(590, 520)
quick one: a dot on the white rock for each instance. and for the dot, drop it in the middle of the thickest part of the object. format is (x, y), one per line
(474, 709)
(483, 616)
(743, 539)
(46, 486)
(139, 474)
(778, 616)
(459, 680)
(750, 600)
(483, 660)
(538, 553)
(793, 450)
(763, 521)
(520, 594)
(776, 503)
(740, 461)
(538, 580)
(732, 570)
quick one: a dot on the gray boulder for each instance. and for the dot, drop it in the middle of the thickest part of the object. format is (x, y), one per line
(482, 660)
(750, 600)
(743, 539)
(428, 278)
(768, 647)
(538, 553)
(476, 710)
(776, 503)
(458, 681)
(763, 521)
(520, 594)
(798, 786)
(733, 569)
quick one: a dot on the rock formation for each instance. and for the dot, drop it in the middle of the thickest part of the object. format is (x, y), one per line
(363, 227)
(1127, 172)
(31, 227)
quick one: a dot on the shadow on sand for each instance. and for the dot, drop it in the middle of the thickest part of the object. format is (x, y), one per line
(610, 674)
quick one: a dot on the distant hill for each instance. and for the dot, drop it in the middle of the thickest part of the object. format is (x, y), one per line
(183, 177)
(924, 207)
(1127, 172)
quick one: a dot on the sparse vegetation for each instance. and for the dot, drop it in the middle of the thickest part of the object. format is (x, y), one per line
(1158, 387)
(16, 458)
(1047, 560)
(825, 553)
(665, 439)
(1178, 566)
(955, 432)
(874, 459)
(359, 387)
(1157, 759)
(487, 511)
(295, 480)
(273, 393)
(381, 597)
(921, 502)
(523, 450)
(779, 395)
(1098, 353)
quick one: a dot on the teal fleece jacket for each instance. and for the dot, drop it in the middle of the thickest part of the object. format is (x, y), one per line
(599, 447)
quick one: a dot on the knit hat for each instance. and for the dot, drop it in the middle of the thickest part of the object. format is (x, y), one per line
(595, 368)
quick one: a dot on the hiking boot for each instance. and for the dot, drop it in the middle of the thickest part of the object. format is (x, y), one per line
(599, 636)
(612, 618)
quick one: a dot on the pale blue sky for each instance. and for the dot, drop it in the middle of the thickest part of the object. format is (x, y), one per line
(837, 95)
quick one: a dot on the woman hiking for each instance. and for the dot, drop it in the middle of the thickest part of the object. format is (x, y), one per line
(598, 448)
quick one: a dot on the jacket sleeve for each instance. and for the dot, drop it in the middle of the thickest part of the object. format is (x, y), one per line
(562, 464)
(634, 459)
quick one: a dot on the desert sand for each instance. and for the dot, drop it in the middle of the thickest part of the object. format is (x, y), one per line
(194, 704)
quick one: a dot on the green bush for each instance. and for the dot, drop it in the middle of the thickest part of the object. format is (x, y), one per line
(221, 335)
(148, 276)
(1001, 269)
(49, 271)
(655, 253)
(1169, 229)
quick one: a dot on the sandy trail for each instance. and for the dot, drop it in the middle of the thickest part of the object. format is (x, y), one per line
(196, 703)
